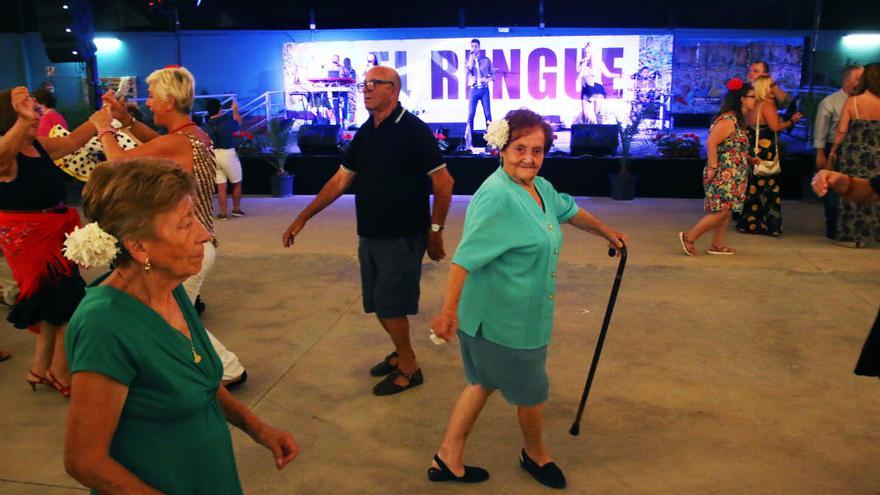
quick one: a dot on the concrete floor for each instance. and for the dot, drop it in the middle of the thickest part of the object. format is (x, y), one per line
(720, 374)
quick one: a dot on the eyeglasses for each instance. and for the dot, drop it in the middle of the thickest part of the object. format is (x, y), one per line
(371, 84)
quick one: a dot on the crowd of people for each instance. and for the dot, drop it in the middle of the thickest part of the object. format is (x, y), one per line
(149, 385)
(130, 350)
(741, 177)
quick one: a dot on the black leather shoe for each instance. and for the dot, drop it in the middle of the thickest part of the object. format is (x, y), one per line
(472, 474)
(385, 366)
(548, 475)
(388, 387)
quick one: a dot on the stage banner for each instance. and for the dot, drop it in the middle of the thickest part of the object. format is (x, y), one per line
(701, 68)
(540, 73)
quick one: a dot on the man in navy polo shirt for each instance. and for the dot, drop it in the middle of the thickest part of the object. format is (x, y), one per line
(394, 163)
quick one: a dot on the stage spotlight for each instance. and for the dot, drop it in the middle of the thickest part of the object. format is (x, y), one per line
(863, 40)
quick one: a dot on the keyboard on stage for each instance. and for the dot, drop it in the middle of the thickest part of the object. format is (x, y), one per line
(333, 81)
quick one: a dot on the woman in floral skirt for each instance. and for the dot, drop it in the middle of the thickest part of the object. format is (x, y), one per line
(726, 173)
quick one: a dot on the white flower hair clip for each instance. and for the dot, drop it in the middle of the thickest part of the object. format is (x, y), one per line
(90, 246)
(498, 133)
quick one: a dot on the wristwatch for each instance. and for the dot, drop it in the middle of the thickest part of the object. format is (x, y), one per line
(435, 227)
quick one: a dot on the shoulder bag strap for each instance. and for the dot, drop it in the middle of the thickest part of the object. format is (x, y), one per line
(758, 129)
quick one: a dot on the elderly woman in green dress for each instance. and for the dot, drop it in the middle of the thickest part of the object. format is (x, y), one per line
(147, 413)
(500, 295)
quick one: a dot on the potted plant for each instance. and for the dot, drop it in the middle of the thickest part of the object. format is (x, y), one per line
(623, 183)
(278, 133)
(345, 139)
(672, 145)
(246, 143)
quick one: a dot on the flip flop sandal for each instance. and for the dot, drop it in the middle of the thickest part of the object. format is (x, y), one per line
(723, 251)
(682, 237)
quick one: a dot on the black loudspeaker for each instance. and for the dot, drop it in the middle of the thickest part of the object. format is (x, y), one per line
(593, 139)
(454, 132)
(318, 139)
(67, 29)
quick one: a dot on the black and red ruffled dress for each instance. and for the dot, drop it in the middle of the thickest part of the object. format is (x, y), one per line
(33, 224)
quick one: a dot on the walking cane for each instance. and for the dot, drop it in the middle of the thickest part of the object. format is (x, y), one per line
(576, 426)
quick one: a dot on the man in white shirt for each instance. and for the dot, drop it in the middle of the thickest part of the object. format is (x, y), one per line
(827, 118)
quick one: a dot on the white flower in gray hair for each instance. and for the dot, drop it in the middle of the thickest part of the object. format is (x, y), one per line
(498, 133)
(90, 246)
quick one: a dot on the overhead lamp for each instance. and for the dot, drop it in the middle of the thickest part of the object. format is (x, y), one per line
(862, 40)
(107, 45)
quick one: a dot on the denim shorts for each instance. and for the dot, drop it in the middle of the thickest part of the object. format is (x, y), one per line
(391, 270)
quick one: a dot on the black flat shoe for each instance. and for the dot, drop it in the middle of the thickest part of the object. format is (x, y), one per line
(472, 474)
(385, 366)
(388, 387)
(548, 475)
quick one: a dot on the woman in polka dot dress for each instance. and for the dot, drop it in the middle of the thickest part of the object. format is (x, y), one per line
(762, 208)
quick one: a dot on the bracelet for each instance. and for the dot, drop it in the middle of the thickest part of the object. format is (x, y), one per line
(106, 130)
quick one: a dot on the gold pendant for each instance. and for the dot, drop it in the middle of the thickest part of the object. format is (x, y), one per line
(196, 357)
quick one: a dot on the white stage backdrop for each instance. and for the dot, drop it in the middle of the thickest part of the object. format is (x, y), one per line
(539, 73)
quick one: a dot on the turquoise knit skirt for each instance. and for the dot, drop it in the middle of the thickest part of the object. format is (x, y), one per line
(520, 374)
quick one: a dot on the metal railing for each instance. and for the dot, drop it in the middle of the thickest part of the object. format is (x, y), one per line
(225, 99)
(255, 113)
(261, 109)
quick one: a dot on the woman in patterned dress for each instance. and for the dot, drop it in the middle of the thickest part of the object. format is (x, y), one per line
(858, 144)
(171, 91)
(726, 173)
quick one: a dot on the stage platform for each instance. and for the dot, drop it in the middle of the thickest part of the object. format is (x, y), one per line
(580, 176)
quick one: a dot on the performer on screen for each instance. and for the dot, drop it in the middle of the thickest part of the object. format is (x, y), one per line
(591, 68)
(336, 70)
(372, 61)
(348, 108)
(479, 73)
(644, 80)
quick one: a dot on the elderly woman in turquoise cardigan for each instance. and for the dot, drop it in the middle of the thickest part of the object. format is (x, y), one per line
(500, 295)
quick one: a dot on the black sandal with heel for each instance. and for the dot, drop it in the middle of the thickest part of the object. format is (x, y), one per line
(472, 474)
